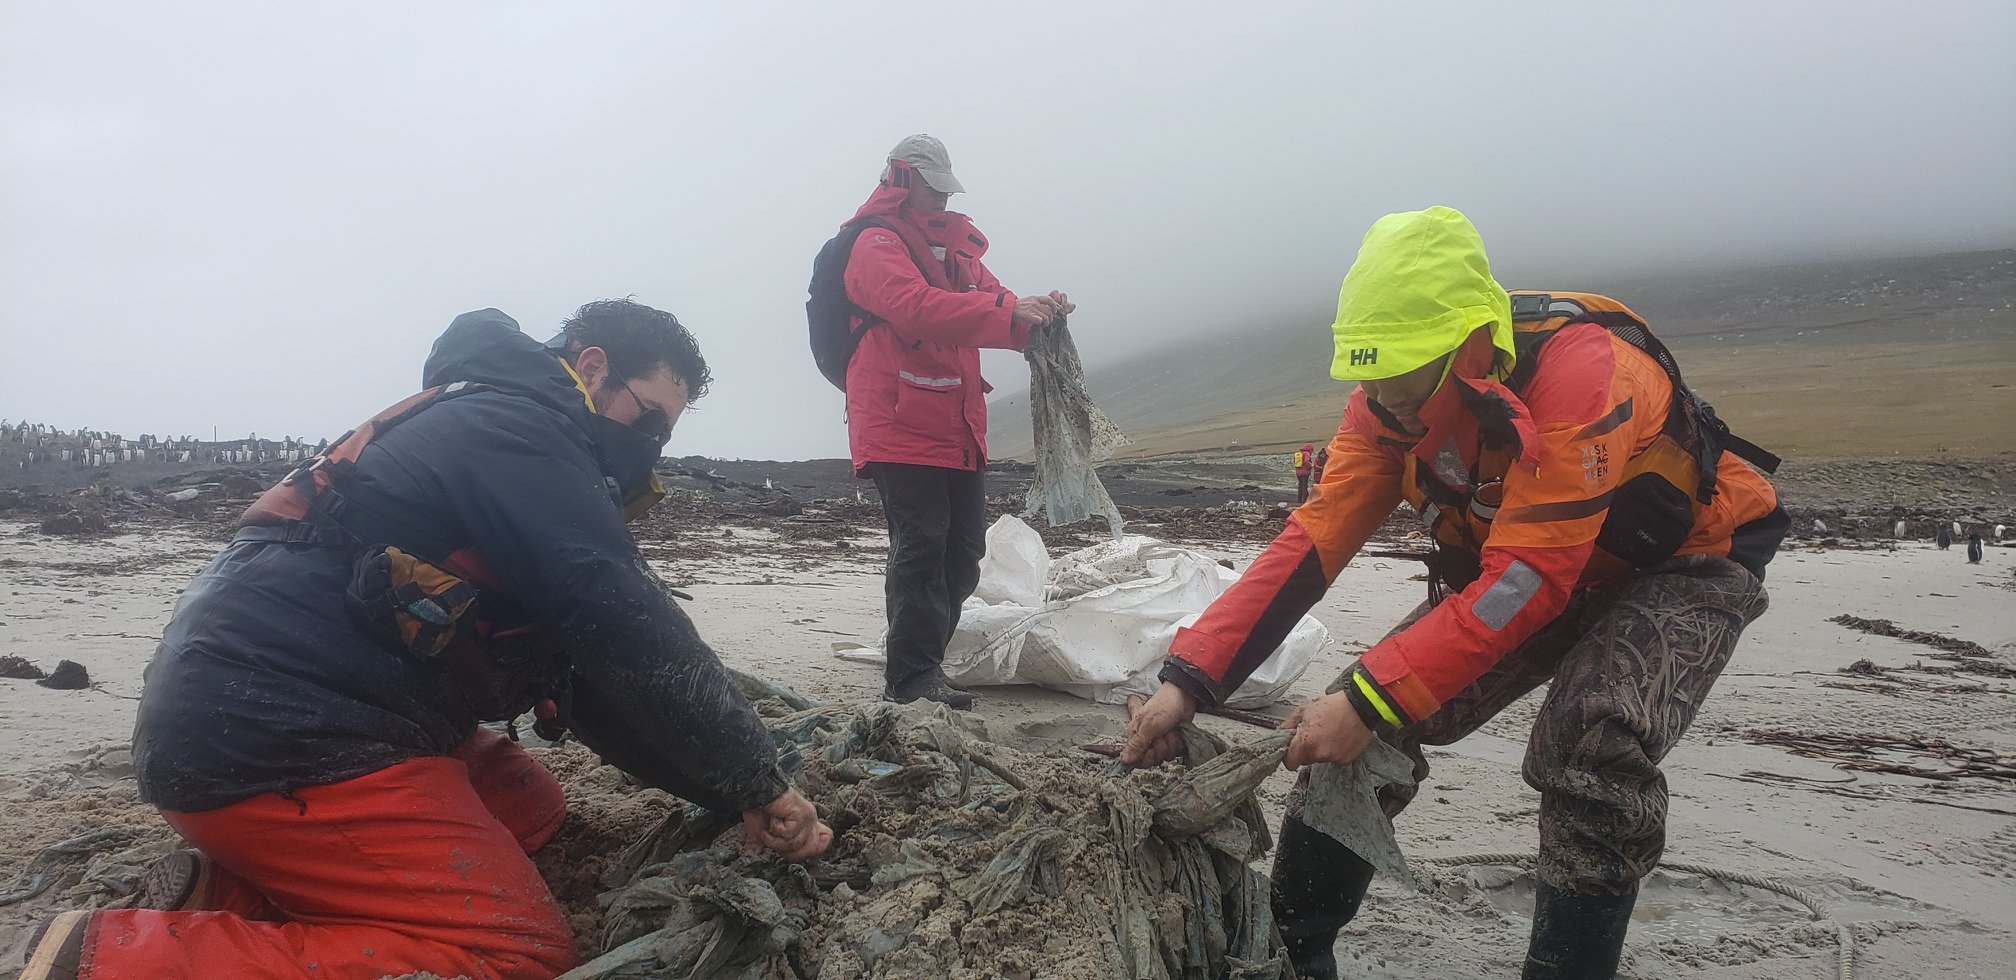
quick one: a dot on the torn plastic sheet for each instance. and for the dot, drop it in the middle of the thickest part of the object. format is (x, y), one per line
(1072, 435)
(1343, 802)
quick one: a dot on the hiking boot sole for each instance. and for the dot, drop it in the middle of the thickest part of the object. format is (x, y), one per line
(173, 883)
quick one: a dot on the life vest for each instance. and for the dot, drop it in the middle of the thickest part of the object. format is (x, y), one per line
(418, 591)
(1661, 489)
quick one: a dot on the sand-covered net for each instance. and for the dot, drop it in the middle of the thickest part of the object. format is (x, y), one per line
(1072, 435)
(955, 856)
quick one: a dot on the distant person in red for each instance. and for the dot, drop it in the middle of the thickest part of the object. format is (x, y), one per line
(1305, 463)
(916, 404)
(1322, 460)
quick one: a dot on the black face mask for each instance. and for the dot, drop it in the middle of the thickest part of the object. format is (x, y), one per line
(627, 458)
(652, 422)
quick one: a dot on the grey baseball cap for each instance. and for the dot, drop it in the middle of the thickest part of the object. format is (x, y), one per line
(927, 156)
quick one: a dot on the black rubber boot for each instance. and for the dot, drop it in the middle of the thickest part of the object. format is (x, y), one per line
(930, 687)
(1318, 885)
(1577, 937)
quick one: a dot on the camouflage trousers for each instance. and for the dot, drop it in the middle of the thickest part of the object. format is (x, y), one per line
(1630, 662)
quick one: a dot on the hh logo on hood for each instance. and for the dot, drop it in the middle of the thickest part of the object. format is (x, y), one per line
(1364, 355)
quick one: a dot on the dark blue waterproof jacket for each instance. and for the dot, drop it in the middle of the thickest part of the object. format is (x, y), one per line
(262, 684)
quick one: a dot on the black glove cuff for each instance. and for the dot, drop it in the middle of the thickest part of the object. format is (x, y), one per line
(1192, 681)
(1367, 711)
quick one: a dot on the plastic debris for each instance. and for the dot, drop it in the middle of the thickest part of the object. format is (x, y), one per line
(943, 868)
(1072, 435)
(1343, 802)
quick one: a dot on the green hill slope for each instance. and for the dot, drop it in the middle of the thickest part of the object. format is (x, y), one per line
(1843, 359)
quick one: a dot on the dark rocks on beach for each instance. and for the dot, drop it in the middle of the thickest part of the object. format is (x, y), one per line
(780, 507)
(75, 522)
(18, 668)
(240, 487)
(69, 676)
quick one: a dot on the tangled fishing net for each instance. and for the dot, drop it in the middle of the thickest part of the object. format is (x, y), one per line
(957, 857)
(1072, 435)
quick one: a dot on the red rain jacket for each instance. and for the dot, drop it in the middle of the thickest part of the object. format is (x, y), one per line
(914, 391)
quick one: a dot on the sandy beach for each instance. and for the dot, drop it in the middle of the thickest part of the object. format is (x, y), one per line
(1922, 869)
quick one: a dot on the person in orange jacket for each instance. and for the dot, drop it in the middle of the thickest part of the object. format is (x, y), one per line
(1590, 530)
(1305, 462)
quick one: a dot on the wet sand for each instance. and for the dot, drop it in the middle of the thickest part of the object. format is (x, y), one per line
(1929, 889)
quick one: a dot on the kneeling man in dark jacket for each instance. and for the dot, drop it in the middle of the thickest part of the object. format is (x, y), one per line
(310, 721)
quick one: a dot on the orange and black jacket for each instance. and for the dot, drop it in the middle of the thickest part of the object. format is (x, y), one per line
(1580, 414)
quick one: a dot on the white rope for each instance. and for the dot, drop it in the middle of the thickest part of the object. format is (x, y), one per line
(1813, 904)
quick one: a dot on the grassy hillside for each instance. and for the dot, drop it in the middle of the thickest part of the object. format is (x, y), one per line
(1870, 358)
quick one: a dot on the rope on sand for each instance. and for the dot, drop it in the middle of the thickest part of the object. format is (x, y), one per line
(1846, 939)
(41, 870)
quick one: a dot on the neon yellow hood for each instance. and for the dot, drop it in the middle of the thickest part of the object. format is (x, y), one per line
(1420, 285)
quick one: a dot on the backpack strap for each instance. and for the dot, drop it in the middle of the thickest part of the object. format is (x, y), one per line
(1538, 307)
(1526, 346)
(926, 265)
(345, 512)
(1690, 421)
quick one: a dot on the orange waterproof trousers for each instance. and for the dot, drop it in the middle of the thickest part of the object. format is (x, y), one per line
(420, 866)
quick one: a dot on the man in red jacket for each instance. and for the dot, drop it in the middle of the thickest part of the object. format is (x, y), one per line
(916, 404)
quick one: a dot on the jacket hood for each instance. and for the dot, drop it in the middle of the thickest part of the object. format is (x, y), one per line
(1421, 284)
(938, 227)
(488, 347)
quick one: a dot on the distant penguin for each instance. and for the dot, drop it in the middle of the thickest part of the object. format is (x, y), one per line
(1974, 548)
(1998, 532)
(1956, 529)
(1899, 530)
(1941, 538)
(1819, 527)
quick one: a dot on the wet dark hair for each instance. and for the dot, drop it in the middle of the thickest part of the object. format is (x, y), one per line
(638, 340)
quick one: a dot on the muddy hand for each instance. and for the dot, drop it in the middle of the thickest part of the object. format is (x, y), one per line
(788, 827)
(1151, 736)
(1327, 729)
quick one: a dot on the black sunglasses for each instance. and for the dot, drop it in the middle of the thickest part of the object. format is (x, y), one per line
(654, 423)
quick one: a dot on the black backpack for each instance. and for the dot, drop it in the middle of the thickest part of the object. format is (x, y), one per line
(828, 312)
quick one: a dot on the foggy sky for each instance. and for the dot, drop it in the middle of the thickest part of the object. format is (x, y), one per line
(258, 217)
